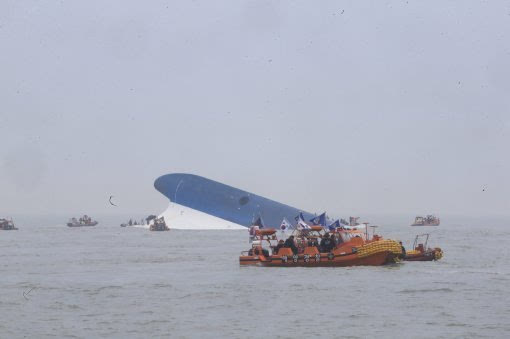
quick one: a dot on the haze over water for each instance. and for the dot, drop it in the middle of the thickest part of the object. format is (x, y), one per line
(367, 106)
(351, 107)
(108, 281)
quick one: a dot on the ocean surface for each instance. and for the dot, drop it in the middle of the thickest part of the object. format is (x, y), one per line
(108, 281)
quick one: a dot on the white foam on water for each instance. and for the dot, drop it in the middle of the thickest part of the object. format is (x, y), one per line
(140, 226)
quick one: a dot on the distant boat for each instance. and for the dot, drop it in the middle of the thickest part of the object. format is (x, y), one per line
(159, 225)
(7, 225)
(133, 223)
(429, 220)
(83, 221)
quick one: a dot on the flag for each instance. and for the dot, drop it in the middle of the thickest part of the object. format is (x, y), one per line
(285, 225)
(258, 222)
(334, 225)
(353, 221)
(301, 223)
(319, 220)
(253, 230)
(299, 217)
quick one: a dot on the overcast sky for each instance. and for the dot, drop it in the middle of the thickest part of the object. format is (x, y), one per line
(343, 106)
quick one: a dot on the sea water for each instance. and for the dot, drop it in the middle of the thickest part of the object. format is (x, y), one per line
(108, 281)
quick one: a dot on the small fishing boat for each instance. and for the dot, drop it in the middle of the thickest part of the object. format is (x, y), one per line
(7, 225)
(81, 222)
(159, 225)
(132, 222)
(421, 252)
(353, 248)
(429, 220)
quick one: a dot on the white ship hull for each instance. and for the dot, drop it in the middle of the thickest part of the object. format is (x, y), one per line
(184, 218)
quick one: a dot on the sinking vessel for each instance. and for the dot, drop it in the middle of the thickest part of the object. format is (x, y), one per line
(429, 220)
(81, 222)
(7, 225)
(421, 252)
(353, 249)
(200, 203)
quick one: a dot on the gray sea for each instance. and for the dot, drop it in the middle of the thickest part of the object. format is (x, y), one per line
(108, 281)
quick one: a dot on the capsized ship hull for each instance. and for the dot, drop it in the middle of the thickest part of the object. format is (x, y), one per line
(201, 203)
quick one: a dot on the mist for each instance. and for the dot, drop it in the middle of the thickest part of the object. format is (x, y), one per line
(348, 107)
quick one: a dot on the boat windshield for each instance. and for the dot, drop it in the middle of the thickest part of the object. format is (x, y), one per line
(347, 235)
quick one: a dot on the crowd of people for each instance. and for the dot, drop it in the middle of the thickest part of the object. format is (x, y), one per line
(327, 243)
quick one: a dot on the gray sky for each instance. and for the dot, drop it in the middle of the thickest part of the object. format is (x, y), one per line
(349, 107)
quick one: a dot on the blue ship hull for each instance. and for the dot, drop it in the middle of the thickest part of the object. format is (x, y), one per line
(223, 201)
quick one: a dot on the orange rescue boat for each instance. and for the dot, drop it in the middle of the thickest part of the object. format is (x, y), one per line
(421, 252)
(353, 249)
